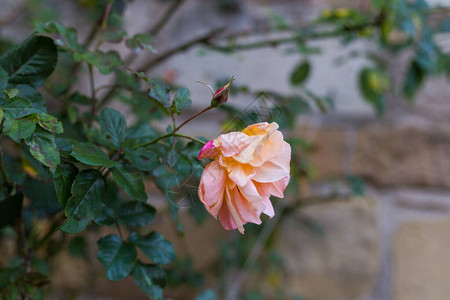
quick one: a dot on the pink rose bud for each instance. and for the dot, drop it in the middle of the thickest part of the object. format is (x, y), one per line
(221, 95)
(247, 168)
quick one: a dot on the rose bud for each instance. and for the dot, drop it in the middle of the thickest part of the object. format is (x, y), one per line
(221, 95)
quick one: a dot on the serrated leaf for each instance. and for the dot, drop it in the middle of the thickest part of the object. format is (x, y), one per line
(116, 256)
(150, 278)
(136, 213)
(181, 100)
(85, 204)
(65, 146)
(18, 129)
(300, 73)
(80, 99)
(30, 62)
(92, 155)
(132, 184)
(114, 37)
(155, 247)
(113, 124)
(43, 148)
(18, 107)
(63, 36)
(36, 99)
(63, 178)
(49, 123)
(159, 92)
(143, 159)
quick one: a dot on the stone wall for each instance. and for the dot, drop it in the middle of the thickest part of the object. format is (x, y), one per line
(392, 244)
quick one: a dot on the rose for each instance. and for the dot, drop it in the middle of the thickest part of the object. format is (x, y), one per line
(248, 168)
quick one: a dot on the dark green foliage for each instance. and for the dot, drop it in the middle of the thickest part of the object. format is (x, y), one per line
(116, 256)
(155, 247)
(85, 204)
(30, 62)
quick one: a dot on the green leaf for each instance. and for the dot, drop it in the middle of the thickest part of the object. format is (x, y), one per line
(415, 77)
(36, 99)
(141, 41)
(105, 62)
(113, 124)
(50, 123)
(30, 62)
(43, 148)
(18, 129)
(3, 79)
(85, 204)
(65, 146)
(63, 178)
(155, 247)
(114, 37)
(116, 256)
(11, 93)
(143, 159)
(72, 112)
(17, 107)
(370, 84)
(150, 278)
(172, 157)
(136, 213)
(159, 92)
(80, 99)
(92, 155)
(181, 100)
(300, 73)
(63, 36)
(1, 115)
(9, 209)
(132, 184)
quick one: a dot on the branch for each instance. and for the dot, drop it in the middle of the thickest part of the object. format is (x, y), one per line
(166, 17)
(204, 39)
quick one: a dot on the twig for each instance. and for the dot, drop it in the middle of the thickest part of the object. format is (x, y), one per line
(166, 17)
(193, 117)
(166, 136)
(103, 24)
(200, 40)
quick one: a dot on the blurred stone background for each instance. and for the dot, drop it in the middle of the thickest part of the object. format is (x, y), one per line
(391, 244)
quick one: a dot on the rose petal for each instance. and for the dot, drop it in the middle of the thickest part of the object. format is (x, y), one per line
(244, 208)
(209, 150)
(212, 187)
(232, 143)
(250, 192)
(271, 149)
(276, 168)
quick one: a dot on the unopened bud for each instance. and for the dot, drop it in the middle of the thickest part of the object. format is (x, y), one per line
(221, 95)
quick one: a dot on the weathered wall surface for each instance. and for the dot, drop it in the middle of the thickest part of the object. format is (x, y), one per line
(393, 244)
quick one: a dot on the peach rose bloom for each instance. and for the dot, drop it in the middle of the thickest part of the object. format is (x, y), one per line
(248, 168)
